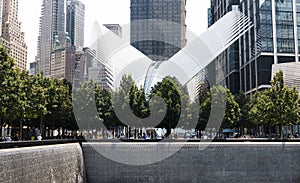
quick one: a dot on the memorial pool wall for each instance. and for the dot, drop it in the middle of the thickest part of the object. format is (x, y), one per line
(217, 162)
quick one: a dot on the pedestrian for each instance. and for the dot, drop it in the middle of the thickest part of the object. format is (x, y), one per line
(16, 137)
(144, 136)
(7, 138)
(32, 137)
(39, 137)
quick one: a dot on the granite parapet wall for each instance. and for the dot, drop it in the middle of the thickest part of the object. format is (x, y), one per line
(55, 163)
(219, 162)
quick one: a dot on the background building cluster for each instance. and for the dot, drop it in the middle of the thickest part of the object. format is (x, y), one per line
(61, 53)
(158, 30)
(274, 39)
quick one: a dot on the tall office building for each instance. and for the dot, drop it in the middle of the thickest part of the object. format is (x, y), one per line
(3, 42)
(274, 39)
(75, 12)
(225, 68)
(158, 27)
(51, 25)
(1, 11)
(12, 35)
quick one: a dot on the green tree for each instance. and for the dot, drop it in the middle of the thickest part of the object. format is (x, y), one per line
(232, 109)
(58, 105)
(104, 106)
(84, 99)
(130, 104)
(285, 100)
(21, 107)
(7, 75)
(139, 105)
(203, 109)
(121, 102)
(276, 106)
(261, 110)
(176, 98)
(65, 106)
(38, 99)
(244, 103)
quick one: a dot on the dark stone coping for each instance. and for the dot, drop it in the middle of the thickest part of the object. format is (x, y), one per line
(20, 144)
(209, 140)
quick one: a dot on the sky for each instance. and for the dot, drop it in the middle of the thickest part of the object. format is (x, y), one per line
(105, 12)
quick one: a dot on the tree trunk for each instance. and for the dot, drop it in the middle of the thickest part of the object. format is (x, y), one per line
(270, 131)
(281, 132)
(41, 128)
(63, 133)
(21, 127)
(168, 132)
(134, 131)
(1, 135)
(50, 135)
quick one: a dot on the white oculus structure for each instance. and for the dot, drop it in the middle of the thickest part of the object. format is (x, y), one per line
(125, 59)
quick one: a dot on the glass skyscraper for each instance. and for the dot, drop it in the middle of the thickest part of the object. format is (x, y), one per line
(226, 63)
(75, 22)
(158, 27)
(52, 24)
(274, 39)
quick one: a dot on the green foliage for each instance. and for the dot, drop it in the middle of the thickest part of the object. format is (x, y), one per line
(84, 100)
(130, 103)
(278, 105)
(104, 106)
(178, 104)
(42, 102)
(7, 82)
(34, 101)
(204, 103)
(138, 103)
(261, 109)
(218, 94)
(59, 104)
(245, 106)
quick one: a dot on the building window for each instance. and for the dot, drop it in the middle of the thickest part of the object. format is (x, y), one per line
(264, 69)
(285, 27)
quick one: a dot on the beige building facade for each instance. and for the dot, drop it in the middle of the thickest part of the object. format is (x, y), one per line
(12, 35)
(291, 73)
(63, 62)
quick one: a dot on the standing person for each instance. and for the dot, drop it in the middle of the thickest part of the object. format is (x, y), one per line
(144, 137)
(39, 137)
(16, 137)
